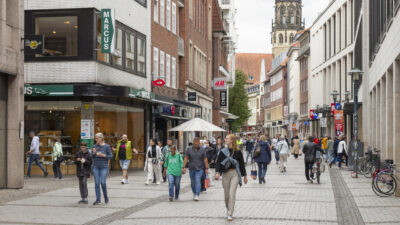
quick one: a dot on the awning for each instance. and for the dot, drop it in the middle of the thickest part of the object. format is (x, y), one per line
(230, 115)
(171, 117)
(161, 102)
(184, 103)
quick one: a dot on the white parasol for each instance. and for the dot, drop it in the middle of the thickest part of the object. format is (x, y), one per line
(197, 124)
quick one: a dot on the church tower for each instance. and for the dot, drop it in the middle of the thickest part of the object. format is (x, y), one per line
(288, 21)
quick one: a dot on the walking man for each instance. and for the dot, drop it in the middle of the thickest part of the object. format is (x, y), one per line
(165, 151)
(249, 148)
(124, 153)
(196, 159)
(34, 154)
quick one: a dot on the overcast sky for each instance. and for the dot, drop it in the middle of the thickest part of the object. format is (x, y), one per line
(254, 18)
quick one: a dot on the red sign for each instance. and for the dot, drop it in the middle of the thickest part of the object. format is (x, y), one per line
(311, 113)
(333, 107)
(339, 122)
(172, 110)
(294, 127)
(159, 82)
(219, 83)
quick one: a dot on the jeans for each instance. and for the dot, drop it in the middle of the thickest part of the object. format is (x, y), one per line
(35, 158)
(83, 187)
(276, 155)
(341, 157)
(247, 156)
(57, 169)
(195, 180)
(203, 182)
(334, 158)
(174, 181)
(100, 175)
(262, 171)
(309, 173)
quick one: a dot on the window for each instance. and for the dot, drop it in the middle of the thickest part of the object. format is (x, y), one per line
(173, 18)
(304, 108)
(276, 78)
(280, 38)
(168, 12)
(130, 51)
(291, 38)
(162, 65)
(276, 95)
(141, 55)
(284, 20)
(60, 35)
(291, 18)
(155, 11)
(168, 70)
(304, 86)
(155, 63)
(173, 72)
(162, 12)
(117, 55)
(191, 9)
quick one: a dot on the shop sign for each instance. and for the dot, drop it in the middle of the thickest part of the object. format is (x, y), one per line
(107, 30)
(192, 96)
(33, 44)
(339, 119)
(311, 114)
(285, 111)
(307, 123)
(142, 93)
(219, 83)
(338, 106)
(333, 107)
(85, 129)
(48, 90)
(222, 97)
(159, 82)
(316, 116)
(168, 110)
(324, 122)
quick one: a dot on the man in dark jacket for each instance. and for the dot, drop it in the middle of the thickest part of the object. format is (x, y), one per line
(263, 159)
(335, 154)
(309, 150)
(249, 148)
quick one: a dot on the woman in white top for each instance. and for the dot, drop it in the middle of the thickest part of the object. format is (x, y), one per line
(152, 163)
(283, 149)
(342, 148)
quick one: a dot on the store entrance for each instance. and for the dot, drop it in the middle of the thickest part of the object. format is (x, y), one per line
(3, 130)
(161, 130)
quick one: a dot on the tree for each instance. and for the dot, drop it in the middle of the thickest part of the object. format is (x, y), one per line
(238, 100)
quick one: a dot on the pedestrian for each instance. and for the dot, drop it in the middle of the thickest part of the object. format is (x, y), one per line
(335, 152)
(296, 147)
(309, 150)
(230, 164)
(165, 151)
(124, 153)
(34, 154)
(329, 149)
(57, 158)
(283, 150)
(324, 144)
(342, 148)
(263, 159)
(152, 162)
(196, 159)
(173, 165)
(274, 143)
(101, 155)
(83, 168)
(249, 149)
(211, 153)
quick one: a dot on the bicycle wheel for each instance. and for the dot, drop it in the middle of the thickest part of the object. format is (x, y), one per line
(385, 183)
(367, 169)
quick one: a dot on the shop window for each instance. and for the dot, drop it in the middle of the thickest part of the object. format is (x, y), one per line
(155, 12)
(117, 55)
(130, 51)
(60, 35)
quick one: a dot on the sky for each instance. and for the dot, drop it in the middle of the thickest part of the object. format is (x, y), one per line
(254, 22)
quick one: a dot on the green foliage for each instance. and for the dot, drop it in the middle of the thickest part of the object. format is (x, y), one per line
(238, 100)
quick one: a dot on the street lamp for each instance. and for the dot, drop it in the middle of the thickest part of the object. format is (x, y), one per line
(335, 95)
(347, 96)
(356, 77)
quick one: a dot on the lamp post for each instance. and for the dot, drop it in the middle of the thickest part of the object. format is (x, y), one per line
(356, 77)
(334, 96)
(347, 96)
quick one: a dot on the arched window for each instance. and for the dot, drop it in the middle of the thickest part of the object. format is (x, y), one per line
(283, 15)
(280, 38)
(291, 18)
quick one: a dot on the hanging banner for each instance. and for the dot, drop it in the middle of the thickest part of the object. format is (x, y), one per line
(107, 30)
(339, 119)
(311, 114)
(222, 97)
(333, 107)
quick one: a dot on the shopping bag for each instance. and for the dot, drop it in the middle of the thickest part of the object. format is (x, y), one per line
(207, 181)
(253, 172)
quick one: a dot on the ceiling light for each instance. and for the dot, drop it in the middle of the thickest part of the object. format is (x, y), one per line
(76, 26)
(54, 32)
(67, 22)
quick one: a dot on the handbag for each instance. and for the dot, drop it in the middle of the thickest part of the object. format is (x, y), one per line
(253, 171)
(257, 152)
(207, 181)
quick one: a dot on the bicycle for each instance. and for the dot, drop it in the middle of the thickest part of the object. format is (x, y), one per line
(384, 182)
(370, 163)
(316, 169)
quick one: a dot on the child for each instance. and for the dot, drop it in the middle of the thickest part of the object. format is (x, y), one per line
(173, 168)
(83, 167)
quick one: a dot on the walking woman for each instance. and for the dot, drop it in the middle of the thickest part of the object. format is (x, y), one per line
(230, 164)
(101, 155)
(152, 163)
(57, 156)
(124, 155)
(296, 147)
(263, 159)
(283, 149)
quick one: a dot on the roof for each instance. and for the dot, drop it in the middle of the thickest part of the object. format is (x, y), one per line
(250, 64)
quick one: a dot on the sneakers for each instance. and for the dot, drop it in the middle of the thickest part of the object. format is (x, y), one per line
(171, 199)
(196, 198)
(230, 218)
(310, 181)
(106, 200)
(158, 182)
(124, 181)
(81, 201)
(46, 174)
(97, 202)
(147, 182)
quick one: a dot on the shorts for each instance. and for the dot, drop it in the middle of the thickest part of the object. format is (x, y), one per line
(124, 164)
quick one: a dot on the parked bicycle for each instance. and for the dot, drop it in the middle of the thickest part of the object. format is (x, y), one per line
(384, 182)
(370, 163)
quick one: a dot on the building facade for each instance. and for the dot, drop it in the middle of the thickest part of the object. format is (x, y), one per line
(332, 47)
(293, 90)
(380, 48)
(288, 21)
(75, 89)
(11, 94)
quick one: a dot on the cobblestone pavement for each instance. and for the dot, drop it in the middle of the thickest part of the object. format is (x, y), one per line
(284, 199)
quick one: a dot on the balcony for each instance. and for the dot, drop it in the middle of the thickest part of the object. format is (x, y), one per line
(304, 49)
(181, 47)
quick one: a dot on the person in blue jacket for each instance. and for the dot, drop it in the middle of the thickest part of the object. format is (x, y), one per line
(263, 159)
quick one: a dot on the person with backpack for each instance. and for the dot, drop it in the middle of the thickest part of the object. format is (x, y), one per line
(83, 168)
(263, 157)
(283, 150)
(310, 149)
(230, 164)
(173, 164)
